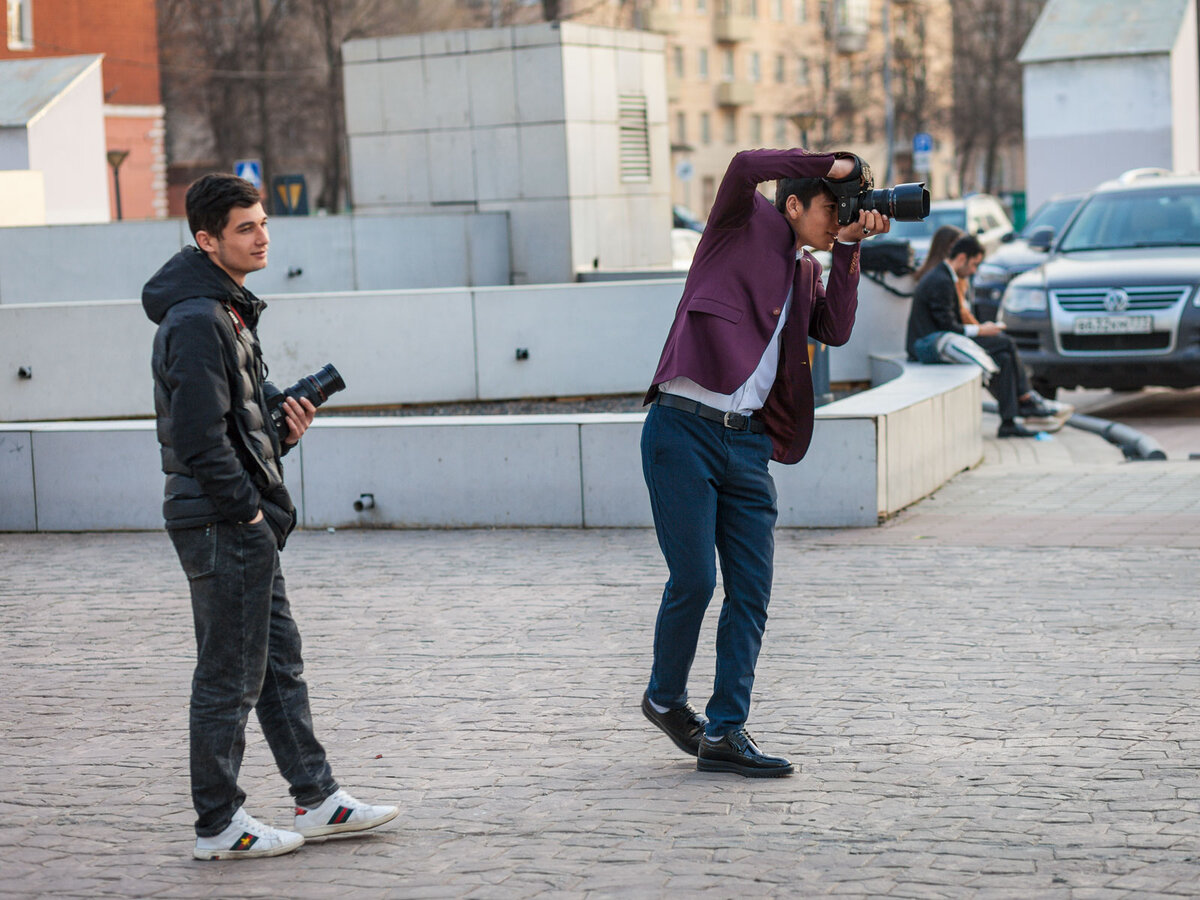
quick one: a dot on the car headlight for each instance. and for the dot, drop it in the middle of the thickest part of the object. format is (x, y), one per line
(1020, 298)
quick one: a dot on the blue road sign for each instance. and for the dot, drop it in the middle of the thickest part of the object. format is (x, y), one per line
(922, 142)
(250, 169)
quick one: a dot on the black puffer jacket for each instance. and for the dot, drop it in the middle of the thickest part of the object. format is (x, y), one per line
(220, 451)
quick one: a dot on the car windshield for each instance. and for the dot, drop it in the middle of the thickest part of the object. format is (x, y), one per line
(1167, 216)
(1053, 213)
(924, 229)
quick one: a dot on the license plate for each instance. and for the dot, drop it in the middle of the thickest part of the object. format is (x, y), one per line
(1114, 325)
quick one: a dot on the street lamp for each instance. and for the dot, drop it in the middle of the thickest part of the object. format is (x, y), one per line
(805, 121)
(115, 158)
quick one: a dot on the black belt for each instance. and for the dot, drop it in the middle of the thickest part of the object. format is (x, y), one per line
(734, 420)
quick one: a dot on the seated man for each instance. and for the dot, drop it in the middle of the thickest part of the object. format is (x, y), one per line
(936, 309)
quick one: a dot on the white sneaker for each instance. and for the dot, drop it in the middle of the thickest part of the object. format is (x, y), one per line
(341, 813)
(247, 838)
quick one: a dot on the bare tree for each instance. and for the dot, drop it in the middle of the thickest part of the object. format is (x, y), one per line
(988, 35)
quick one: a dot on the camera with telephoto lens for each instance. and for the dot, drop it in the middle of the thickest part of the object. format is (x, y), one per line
(904, 202)
(317, 387)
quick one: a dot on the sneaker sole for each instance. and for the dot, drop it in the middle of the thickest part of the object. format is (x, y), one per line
(716, 765)
(248, 854)
(321, 832)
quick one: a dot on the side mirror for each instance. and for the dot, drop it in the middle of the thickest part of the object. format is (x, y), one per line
(1008, 238)
(1042, 238)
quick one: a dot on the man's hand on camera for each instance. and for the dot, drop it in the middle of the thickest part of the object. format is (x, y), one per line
(843, 167)
(299, 415)
(869, 223)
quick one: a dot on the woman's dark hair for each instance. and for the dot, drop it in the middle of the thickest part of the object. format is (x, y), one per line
(939, 249)
(211, 197)
(804, 189)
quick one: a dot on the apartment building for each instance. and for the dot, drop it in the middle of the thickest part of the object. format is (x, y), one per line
(126, 33)
(824, 74)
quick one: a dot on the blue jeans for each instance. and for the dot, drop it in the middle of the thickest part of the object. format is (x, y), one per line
(709, 486)
(247, 657)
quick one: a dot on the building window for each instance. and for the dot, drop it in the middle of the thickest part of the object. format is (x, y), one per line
(701, 6)
(20, 24)
(802, 74)
(677, 61)
(781, 138)
(702, 64)
(777, 10)
(708, 192)
(801, 10)
(705, 128)
(680, 128)
(756, 67)
(635, 137)
(752, 8)
(727, 65)
(780, 68)
(676, 5)
(730, 123)
(756, 130)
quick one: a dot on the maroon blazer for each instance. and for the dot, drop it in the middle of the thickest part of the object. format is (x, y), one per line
(734, 294)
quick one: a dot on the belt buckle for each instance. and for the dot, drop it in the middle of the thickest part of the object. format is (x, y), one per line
(735, 420)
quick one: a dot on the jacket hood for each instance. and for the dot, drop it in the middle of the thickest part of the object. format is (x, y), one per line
(190, 273)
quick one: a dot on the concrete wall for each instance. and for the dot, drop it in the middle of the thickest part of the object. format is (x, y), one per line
(523, 120)
(872, 455)
(1185, 94)
(391, 347)
(323, 253)
(67, 144)
(1088, 120)
(22, 198)
(397, 346)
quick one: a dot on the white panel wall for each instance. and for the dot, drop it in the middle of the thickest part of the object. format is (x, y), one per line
(67, 144)
(1091, 119)
(391, 347)
(871, 455)
(521, 120)
(308, 254)
(1185, 95)
(18, 508)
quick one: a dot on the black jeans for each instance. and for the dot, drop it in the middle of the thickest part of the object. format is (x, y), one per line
(1010, 383)
(247, 657)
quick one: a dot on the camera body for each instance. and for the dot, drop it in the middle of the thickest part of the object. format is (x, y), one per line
(317, 387)
(904, 202)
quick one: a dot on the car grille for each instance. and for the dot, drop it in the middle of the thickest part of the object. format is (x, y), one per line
(1095, 343)
(1141, 299)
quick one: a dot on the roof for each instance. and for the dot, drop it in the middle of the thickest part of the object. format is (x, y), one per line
(1082, 29)
(27, 86)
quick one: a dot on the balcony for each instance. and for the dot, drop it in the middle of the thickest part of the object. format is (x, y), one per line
(728, 29)
(662, 21)
(735, 93)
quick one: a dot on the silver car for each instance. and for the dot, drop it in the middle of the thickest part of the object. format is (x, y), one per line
(1116, 304)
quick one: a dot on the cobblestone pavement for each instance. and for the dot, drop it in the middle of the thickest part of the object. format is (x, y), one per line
(992, 695)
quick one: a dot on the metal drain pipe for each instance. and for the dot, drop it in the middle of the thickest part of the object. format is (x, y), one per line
(1134, 444)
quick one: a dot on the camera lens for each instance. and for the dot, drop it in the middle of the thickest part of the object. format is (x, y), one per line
(904, 202)
(321, 384)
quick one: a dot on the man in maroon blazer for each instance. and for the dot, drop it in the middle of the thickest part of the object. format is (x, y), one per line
(733, 390)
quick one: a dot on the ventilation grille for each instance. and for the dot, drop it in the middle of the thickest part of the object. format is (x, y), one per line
(635, 137)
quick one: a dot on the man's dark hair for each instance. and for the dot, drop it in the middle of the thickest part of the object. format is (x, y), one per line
(968, 244)
(211, 197)
(804, 189)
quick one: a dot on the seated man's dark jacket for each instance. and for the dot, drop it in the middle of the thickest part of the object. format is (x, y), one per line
(935, 307)
(220, 451)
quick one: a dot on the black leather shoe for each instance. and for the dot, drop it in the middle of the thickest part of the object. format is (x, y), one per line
(1012, 429)
(737, 752)
(684, 725)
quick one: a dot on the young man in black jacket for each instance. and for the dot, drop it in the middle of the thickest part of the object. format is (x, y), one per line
(228, 514)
